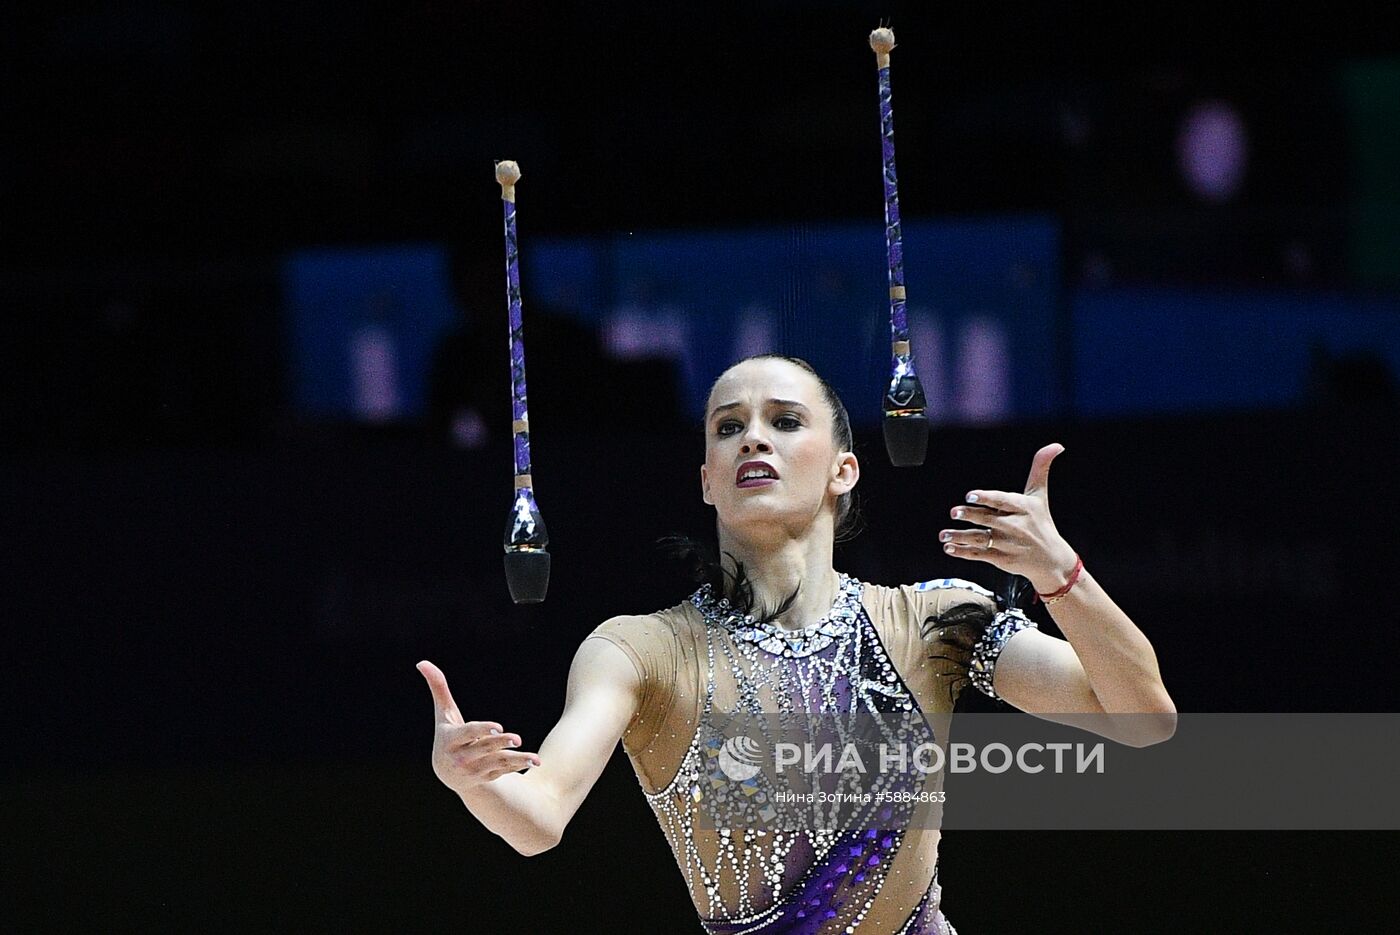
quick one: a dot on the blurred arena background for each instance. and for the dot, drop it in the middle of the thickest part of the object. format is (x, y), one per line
(254, 414)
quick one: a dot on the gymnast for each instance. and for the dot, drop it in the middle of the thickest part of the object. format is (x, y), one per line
(775, 617)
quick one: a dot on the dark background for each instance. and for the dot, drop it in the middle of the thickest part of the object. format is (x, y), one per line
(215, 602)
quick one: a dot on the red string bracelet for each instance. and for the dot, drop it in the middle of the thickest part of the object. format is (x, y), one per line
(1055, 595)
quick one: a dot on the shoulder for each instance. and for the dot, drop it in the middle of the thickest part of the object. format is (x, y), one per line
(658, 626)
(636, 634)
(952, 584)
(652, 641)
(618, 649)
(939, 594)
(627, 625)
(642, 652)
(932, 597)
(930, 628)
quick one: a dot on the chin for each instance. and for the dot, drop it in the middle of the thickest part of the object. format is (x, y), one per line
(755, 517)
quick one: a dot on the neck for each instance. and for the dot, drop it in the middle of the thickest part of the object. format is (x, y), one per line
(777, 568)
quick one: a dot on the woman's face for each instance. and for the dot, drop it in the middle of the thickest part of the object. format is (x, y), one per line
(769, 453)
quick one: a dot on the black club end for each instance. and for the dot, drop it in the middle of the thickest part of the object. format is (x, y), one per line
(906, 439)
(527, 575)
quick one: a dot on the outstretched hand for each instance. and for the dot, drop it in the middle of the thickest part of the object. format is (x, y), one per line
(1014, 530)
(468, 753)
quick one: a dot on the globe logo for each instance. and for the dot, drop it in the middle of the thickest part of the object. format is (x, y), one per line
(738, 758)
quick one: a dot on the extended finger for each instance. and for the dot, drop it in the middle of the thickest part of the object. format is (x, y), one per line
(979, 539)
(976, 552)
(982, 516)
(1000, 500)
(480, 734)
(437, 684)
(498, 764)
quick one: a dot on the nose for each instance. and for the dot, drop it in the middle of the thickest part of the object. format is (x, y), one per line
(754, 442)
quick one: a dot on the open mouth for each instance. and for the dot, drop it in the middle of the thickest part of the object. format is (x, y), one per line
(755, 474)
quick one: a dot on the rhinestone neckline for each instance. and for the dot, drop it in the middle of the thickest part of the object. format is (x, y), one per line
(840, 621)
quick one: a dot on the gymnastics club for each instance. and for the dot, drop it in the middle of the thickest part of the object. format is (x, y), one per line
(527, 562)
(906, 423)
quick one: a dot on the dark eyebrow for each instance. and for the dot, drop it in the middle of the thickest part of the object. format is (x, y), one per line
(789, 403)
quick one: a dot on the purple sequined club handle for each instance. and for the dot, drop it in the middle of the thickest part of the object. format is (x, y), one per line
(905, 423)
(527, 562)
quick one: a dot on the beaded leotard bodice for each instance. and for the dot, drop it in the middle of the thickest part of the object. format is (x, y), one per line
(702, 665)
(747, 878)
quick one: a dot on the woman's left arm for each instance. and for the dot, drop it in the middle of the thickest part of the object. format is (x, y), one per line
(1108, 665)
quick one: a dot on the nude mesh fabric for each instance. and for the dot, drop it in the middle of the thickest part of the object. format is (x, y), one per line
(671, 650)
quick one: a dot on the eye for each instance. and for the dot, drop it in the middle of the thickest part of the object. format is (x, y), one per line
(724, 427)
(792, 422)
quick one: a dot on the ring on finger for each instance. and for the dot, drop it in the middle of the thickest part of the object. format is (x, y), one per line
(990, 536)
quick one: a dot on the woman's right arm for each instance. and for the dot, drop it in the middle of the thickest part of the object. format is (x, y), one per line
(478, 759)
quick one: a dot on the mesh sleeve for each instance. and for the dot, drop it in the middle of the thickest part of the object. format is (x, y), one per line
(649, 644)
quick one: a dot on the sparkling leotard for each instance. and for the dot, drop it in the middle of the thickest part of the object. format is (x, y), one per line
(701, 663)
